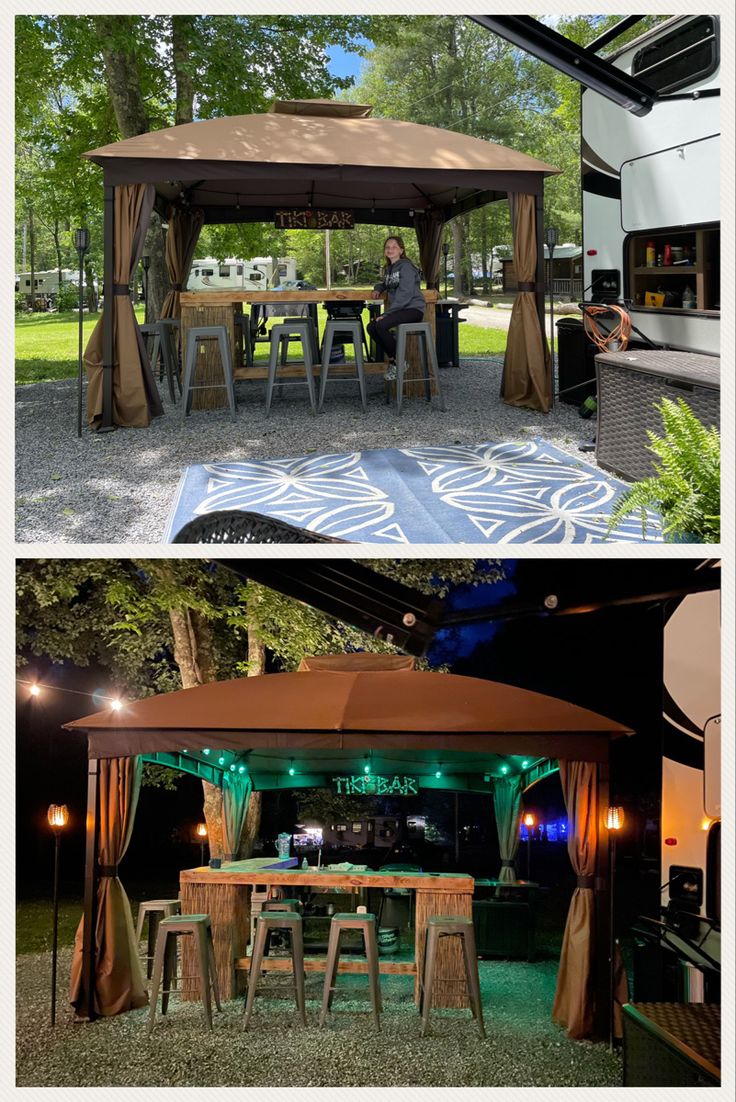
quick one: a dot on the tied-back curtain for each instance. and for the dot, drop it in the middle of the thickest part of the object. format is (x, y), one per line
(429, 229)
(182, 236)
(119, 984)
(573, 1004)
(507, 807)
(135, 398)
(526, 379)
(236, 790)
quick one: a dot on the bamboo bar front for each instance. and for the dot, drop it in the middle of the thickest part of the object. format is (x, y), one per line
(224, 894)
(220, 308)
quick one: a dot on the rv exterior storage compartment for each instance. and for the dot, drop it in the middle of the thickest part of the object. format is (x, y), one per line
(672, 1045)
(629, 384)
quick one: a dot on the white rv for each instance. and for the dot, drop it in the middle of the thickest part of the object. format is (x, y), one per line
(691, 752)
(244, 275)
(651, 184)
(45, 284)
(214, 275)
(285, 268)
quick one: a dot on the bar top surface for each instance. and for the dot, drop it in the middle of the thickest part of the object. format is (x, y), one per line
(271, 870)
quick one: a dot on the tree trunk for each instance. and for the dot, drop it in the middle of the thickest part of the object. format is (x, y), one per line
(89, 285)
(57, 248)
(256, 667)
(32, 254)
(116, 34)
(194, 655)
(182, 32)
(158, 279)
(484, 250)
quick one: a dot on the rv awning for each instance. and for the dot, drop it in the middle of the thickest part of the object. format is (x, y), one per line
(401, 710)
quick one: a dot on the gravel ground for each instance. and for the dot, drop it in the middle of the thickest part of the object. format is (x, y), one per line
(119, 487)
(522, 1048)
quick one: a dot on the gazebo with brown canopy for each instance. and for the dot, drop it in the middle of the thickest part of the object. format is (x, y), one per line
(329, 716)
(319, 156)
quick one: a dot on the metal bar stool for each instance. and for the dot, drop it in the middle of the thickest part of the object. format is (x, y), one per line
(366, 923)
(266, 924)
(172, 328)
(242, 321)
(199, 928)
(423, 332)
(451, 926)
(301, 329)
(351, 332)
(155, 909)
(162, 352)
(196, 335)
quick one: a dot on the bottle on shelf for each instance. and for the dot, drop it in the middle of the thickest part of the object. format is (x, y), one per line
(651, 255)
(667, 256)
(688, 299)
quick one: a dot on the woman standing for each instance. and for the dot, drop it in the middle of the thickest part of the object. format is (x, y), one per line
(405, 299)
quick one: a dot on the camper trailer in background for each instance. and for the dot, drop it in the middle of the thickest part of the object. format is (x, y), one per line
(231, 274)
(243, 275)
(44, 286)
(651, 188)
(285, 268)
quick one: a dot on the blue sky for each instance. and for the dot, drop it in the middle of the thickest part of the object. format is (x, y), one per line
(342, 63)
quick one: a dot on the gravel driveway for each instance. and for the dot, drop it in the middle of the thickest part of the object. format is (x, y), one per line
(119, 487)
(523, 1047)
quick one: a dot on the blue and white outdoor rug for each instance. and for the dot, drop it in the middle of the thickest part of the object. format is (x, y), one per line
(480, 493)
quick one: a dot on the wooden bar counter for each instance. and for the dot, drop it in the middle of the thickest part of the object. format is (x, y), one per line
(224, 894)
(221, 307)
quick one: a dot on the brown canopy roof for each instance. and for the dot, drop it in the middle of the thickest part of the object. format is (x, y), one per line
(330, 710)
(324, 154)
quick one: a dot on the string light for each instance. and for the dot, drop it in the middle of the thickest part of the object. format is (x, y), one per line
(35, 690)
(292, 770)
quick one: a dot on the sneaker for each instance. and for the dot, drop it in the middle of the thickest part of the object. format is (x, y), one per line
(390, 374)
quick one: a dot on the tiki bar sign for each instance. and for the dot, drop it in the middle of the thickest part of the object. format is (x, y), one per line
(370, 784)
(313, 219)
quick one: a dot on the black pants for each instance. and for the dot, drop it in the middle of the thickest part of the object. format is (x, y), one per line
(380, 328)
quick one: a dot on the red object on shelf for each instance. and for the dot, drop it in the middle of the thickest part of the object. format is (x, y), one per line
(667, 258)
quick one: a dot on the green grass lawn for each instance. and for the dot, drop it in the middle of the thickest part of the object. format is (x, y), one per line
(46, 345)
(34, 924)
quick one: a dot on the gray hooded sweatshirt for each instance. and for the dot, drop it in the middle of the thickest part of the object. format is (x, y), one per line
(401, 280)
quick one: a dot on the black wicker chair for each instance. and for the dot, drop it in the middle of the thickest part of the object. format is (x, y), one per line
(233, 526)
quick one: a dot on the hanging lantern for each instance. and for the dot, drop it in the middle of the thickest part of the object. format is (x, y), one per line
(614, 818)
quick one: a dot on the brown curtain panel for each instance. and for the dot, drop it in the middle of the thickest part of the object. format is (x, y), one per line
(507, 806)
(119, 984)
(526, 379)
(182, 236)
(429, 228)
(573, 1002)
(135, 397)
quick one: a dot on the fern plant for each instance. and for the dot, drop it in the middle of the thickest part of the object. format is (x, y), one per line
(686, 489)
